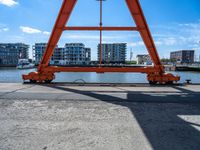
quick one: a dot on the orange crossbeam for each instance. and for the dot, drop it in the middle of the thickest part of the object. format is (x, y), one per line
(101, 69)
(101, 28)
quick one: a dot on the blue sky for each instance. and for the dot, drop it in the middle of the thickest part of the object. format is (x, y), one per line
(175, 24)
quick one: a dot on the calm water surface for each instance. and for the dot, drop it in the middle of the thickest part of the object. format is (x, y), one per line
(8, 75)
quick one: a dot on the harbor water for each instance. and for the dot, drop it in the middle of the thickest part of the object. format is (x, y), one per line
(13, 75)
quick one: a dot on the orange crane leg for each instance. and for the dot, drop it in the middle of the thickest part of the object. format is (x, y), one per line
(156, 74)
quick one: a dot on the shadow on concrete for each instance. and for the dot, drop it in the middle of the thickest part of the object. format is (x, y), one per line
(163, 126)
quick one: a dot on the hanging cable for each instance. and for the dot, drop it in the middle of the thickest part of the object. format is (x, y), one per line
(100, 25)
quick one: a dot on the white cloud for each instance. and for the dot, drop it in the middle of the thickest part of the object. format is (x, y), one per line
(177, 36)
(29, 30)
(9, 3)
(46, 33)
(169, 41)
(4, 29)
(158, 43)
(136, 44)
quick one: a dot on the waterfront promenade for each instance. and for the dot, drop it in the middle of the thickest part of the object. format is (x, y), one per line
(99, 117)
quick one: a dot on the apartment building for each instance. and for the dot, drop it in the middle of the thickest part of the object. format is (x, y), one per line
(113, 53)
(70, 54)
(10, 53)
(183, 56)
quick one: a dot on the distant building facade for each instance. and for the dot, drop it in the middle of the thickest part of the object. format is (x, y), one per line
(10, 53)
(87, 55)
(144, 59)
(39, 49)
(113, 53)
(71, 54)
(57, 58)
(76, 54)
(183, 56)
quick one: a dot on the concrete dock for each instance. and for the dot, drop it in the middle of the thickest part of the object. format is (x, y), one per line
(91, 117)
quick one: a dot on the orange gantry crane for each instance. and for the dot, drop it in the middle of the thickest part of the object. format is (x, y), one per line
(155, 74)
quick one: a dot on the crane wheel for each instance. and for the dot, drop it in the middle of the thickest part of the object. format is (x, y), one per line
(153, 82)
(33, 81)
(48, 81)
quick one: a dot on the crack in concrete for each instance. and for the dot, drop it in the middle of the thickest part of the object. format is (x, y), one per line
(6, 93)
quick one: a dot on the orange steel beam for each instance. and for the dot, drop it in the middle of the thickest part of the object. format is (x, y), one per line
(101, 69)
(141, 23)
(101, 28)
(61, 21)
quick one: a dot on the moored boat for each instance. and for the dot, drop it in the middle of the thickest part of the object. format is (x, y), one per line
(25, 64)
